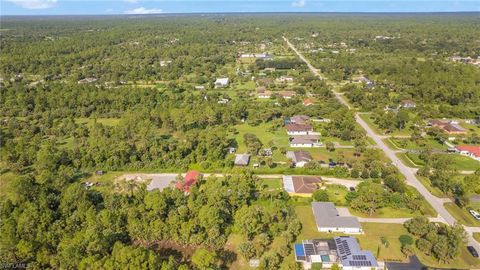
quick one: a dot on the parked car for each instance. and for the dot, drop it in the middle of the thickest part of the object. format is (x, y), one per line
(475, 214)
(473, 251)
(352, 189)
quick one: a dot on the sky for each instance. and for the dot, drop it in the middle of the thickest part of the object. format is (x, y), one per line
(94, 7)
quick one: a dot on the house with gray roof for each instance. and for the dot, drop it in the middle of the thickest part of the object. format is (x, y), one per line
(352, 257)
(242, 159)
(328, 219)
(299, 158)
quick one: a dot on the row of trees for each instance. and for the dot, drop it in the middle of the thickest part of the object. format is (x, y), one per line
(441, 241)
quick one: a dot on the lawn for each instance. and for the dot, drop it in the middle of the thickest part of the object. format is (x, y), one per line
(434, 190)
(279, 137)
(406, 159)
(105, 121)
(459, 162)
(408, 144)
(461, 215)
(6, 185)
(272, 184)
(336, 194)
(476, 236)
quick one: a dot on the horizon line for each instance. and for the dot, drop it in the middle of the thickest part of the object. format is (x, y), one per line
(243, 12)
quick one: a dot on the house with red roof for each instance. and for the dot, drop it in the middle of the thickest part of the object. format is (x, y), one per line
(307, 102)
(472, 151)
(189, 180)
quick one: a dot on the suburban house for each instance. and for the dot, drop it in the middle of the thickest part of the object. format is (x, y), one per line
(307, 102)
(365, 80)
(449, 127)
(305, 141)
(256, 55)
(189, 180)
(301, 185)
(298, 129)
(472, 151)
(328, 219)
(299, 119)
(242, 159)
(223, 101)
(199, 87)
(262, 92)
(87, 80)
(299, 158)
(343, 251)
(408, 104)
(221, 82)
(287, 94)
(285, 79)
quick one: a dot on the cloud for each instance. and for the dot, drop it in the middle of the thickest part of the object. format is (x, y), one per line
(131, 1)
(142, 10)
(298, 3)
(34, 4)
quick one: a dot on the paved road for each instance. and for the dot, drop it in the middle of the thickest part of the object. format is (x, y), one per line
(436, 203)
(163, 180)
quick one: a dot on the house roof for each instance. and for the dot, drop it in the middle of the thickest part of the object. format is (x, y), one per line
(298, 127)
(408, 102)
(299, 119)
(436, 122)
(222, 81)
(242, 159)
(304, 139)
(261, 89)
(326, 216)
(350, 254)
(307, 102)
(301, 184)
(287, 93)
(189, 180)
(299, 156)
(472, 149)
(453, 128)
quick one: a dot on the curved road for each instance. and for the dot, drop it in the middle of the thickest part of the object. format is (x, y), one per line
(437, 203)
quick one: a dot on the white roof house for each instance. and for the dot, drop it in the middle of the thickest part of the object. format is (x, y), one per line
(221, 82)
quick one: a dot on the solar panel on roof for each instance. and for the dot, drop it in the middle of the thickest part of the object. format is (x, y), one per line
(359, 257)
(309, 249)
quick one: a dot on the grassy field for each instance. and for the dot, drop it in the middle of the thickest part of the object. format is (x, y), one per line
(272, 184)
(407, 161)
(434, 190)
(6, 185)
(105, 121)
(476, 236)
(336, 194)
(407, 144)
(461, 215)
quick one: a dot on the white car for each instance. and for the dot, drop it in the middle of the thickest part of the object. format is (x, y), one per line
(475, 214)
